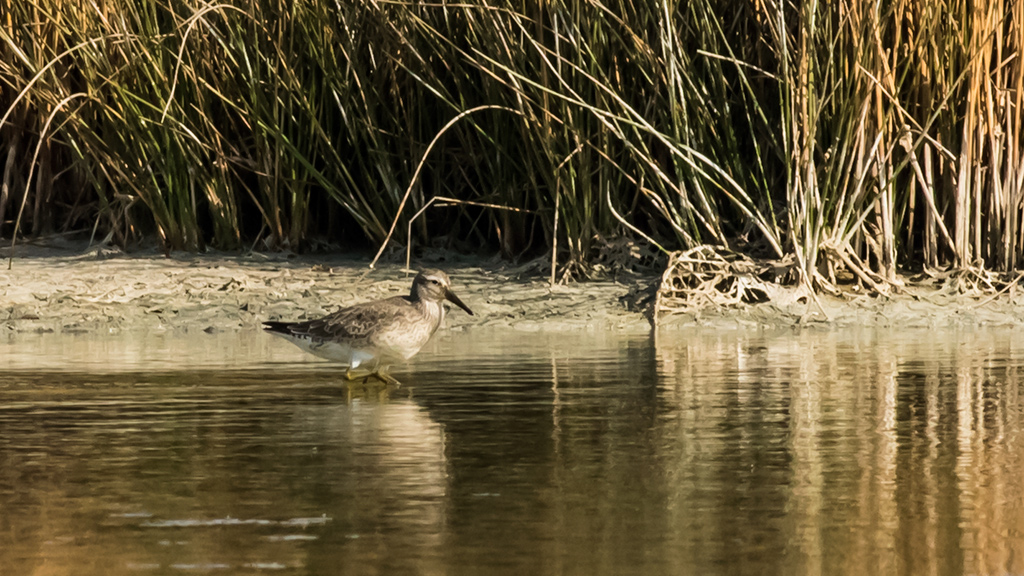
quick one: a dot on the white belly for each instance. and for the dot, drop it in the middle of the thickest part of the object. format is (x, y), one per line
(334, 351)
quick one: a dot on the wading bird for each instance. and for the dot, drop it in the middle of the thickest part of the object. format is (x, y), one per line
(367, 337)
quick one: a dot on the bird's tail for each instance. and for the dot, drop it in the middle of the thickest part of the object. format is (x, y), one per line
(277, 327)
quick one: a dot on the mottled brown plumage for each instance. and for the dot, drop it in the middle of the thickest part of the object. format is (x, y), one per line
(376, 333)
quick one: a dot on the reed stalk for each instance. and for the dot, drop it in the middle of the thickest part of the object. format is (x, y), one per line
(854, 138)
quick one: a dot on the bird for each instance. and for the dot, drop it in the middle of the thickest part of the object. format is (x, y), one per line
(374, 334)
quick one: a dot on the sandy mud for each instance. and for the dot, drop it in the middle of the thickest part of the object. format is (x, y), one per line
(103, 290)
(77, 289)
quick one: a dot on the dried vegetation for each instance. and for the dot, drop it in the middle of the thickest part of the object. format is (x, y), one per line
(850, 141)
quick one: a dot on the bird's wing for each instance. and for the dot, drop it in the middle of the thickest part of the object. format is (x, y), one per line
(354, 323)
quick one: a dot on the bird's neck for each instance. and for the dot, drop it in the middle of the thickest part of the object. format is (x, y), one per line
(433, 310)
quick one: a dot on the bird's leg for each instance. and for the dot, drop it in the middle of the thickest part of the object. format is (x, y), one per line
(382, 375)
(380, 372)
(351, 374)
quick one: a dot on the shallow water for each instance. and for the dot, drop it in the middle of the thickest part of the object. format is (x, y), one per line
(797, 452)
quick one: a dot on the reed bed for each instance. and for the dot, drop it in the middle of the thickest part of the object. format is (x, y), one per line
(848, 139)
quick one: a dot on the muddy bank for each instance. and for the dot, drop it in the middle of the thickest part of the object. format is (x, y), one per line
(102, 290)
(73, 289)
(913, 307)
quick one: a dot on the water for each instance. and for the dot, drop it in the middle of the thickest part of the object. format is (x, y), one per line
(803, 452)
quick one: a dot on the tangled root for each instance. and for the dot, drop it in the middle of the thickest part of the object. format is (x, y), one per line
(972, 281)
(710, 277)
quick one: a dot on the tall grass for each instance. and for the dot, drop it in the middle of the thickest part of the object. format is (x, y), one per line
(850, 137)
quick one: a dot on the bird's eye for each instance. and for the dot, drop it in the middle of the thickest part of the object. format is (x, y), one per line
(435, 282)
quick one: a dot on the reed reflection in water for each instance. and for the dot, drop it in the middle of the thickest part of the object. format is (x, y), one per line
(700, 452)
(872, 452)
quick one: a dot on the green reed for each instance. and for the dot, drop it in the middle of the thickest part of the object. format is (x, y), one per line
(849, 137)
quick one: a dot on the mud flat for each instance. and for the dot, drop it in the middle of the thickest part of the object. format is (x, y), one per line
(104, 290)
(75, 289)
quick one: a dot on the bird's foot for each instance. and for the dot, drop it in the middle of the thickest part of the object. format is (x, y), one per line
(378, 375)
(386, 378)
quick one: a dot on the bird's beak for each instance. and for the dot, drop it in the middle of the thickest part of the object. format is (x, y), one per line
(451, 297)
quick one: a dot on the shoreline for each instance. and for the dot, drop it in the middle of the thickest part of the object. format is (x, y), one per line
(103, 290)
(107, 291)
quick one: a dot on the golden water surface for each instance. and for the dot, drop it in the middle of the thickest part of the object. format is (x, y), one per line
(693, 452)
